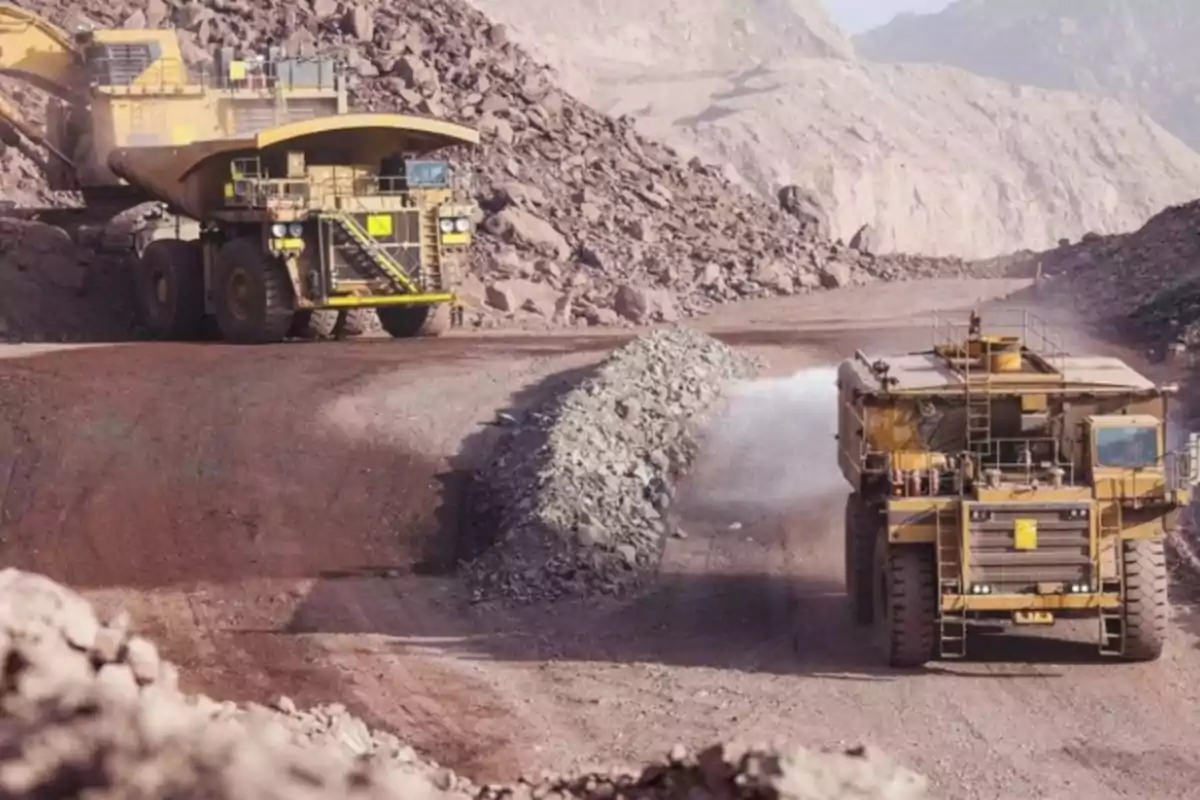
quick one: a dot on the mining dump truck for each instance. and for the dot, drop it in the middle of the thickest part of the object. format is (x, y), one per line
(994, 477)
(280, 202)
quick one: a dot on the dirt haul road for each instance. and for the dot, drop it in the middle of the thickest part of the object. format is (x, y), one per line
(282, 519)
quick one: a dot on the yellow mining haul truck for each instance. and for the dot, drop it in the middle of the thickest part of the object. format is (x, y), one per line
(995, 477)
(325, 214)
(280, 203)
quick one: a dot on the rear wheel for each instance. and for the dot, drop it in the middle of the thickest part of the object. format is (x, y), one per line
(906, 610)
(861, 530)
(404, 323)
(169, 289)
(253, 294)
(322, 323)
(1146, 604)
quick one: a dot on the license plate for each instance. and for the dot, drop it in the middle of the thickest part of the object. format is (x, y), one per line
(1033, 618)
(1025, 534)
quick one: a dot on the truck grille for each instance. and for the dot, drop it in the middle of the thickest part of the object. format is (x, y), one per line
(1063, 553)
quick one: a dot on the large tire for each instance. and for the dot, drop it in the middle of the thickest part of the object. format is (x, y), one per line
(404, 323)
(1147, 607)
(252, 293)
(360, 321)
(169, 289)
(907, 604)
(322, 323)
(861, 529)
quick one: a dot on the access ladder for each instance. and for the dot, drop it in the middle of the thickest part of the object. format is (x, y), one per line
(379, 258)
(1112, 620)
(952, 624)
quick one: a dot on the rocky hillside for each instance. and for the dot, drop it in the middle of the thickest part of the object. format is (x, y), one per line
(670, 38)
(586, 222)
(1146, 282)
(936, 160)
(1139, 51)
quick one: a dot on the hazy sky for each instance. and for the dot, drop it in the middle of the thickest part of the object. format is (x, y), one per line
(856, 16)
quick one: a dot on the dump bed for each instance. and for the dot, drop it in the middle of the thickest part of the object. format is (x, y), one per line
(191, 178)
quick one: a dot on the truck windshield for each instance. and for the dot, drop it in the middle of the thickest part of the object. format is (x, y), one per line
(427, 174)
(1128, 447)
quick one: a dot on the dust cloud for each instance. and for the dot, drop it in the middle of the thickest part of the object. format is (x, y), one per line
(773, 448)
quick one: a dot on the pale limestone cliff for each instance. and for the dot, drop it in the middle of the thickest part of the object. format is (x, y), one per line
(937, 160)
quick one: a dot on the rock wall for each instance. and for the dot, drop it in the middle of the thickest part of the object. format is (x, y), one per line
(936, 160)
(1142, 53)
(672, 38)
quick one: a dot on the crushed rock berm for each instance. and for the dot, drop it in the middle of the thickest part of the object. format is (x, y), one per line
(580, 489)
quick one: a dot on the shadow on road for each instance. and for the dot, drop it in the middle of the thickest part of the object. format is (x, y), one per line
(468, 508)
(748, 623)
(163, 465)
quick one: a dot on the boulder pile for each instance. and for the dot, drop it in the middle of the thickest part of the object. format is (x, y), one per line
(584, 221)
(89, 708)
(580, 491)
(1148, 281)
(53, 290)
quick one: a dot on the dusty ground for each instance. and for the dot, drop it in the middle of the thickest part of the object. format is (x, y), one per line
(284, 517)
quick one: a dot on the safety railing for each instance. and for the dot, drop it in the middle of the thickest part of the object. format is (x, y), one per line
(268, 192)
(167, 75)
(1013, 460)
(946, 474)
(1038, 336)
(253, 188)
(924, 475)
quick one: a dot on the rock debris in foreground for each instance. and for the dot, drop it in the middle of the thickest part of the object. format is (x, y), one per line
(581, 490)
(89, 708)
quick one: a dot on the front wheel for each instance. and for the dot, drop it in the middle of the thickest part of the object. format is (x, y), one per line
(1146, 603)
(861, 527)
(907, 603)
(253, 294)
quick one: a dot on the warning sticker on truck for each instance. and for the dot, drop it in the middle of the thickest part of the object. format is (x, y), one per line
(1025, 534)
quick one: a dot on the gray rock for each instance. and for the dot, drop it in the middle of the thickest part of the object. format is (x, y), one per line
(580, 490)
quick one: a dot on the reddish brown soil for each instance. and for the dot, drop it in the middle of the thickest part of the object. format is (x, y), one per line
(282, 518)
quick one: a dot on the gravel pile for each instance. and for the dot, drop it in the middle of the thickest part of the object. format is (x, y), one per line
(585, 221)
(580, 490)
(89, 709)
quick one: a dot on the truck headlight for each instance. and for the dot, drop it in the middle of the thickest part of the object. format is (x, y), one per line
(295, 230)
(462, 224)
(446, 225)
(279, 230)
